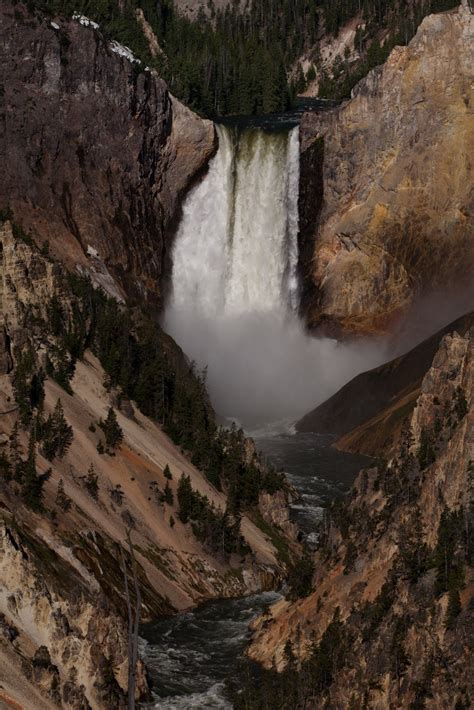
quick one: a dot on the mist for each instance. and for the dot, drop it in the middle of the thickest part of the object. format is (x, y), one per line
(431, 312)
(234, 301)
(264, 368)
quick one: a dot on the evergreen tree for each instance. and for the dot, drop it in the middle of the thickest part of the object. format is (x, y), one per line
(112, 431)
(62, 500)
(454, 607)
(185, 498)
(32, 482)
(57, 434)
(5, 467)
(167, 496)
(15, 452)
(92, 483)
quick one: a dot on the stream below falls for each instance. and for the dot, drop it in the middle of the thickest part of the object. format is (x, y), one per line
(190, 655)
(234, 309)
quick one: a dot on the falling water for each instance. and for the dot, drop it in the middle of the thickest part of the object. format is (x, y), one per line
(235, 284)
(236, 249)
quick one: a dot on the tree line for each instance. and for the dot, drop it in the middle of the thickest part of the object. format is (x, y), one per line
(240, 60)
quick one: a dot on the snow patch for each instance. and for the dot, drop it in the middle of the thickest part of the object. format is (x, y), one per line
(123, 51)
(85, 20)
(54, 26)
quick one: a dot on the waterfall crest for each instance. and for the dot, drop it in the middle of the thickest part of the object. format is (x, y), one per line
(234, 296)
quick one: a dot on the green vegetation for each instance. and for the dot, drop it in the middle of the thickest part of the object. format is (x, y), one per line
(57, 434)
(32, 482)
(220, 531)
(112, 431)
(62, 500)
(450, 552)
(238, 62)
(167, 496)
(91, 482)
(426, 452)
(144, 363)
(278, 541)
(296, 686)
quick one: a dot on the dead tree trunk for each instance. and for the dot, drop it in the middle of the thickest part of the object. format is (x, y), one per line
(133, 620)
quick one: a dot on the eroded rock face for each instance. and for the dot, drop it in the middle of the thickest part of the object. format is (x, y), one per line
(96, 153)
(382, 564)
(396, 218)
(61, 576)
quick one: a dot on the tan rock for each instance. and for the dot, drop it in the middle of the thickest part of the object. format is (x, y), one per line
(391, 215)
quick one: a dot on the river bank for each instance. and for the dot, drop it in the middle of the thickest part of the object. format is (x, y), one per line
(190, 655)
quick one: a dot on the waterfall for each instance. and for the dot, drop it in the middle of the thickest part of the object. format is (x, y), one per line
(234, 296)
(236, 248)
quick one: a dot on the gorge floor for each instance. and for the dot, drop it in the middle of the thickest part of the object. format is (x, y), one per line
(190, 655)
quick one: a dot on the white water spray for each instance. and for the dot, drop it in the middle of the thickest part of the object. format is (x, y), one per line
(235, 285)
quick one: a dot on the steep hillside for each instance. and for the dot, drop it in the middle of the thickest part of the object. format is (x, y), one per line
(389, 622)
(367, 414)
(80, 465)
(386, 200)
(96, 153)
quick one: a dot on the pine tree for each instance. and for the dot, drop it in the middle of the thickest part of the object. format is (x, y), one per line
(167, 495)
(454, 607)
(32, 482)
(5, 467)
(15, 452)
(92, 483)
(62, 500)
(57, 434)
(112, 431)
(167, 473)
(185, 498)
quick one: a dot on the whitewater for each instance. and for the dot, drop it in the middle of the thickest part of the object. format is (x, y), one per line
(235, 287)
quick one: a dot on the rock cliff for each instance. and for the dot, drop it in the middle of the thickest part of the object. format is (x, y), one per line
(60, 559)
(367, 414)
(96, 153)
(386, 202)
(390, 622)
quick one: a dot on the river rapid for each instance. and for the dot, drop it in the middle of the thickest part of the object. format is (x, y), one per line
(190, 655)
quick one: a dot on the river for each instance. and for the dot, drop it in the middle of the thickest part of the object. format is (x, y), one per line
(190, 655)
(234, 308)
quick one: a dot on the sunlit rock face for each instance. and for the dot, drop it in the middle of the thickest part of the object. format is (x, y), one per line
(386, 200)
(97, 153)
(398, 506)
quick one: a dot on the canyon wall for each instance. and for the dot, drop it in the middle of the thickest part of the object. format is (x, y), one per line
(60, 558)
(389, 623)
(368, 413)
(96, 153)
(386, 198)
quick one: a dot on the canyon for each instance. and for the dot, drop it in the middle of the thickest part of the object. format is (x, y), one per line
(70, 559)
(376, 580)
(128, 249)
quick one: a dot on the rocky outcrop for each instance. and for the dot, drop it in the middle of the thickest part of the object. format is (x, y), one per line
(72, 655)
(275, 511)
(367, 414)
(60, 560)
(390, 621)
(390, 216)
(96, 154)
